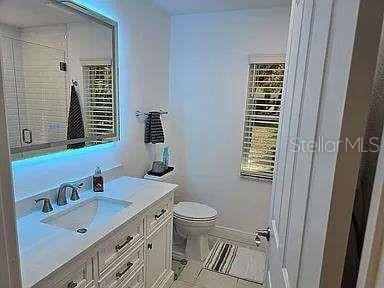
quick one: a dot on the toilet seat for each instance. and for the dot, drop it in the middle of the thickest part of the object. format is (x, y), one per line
(194, 220)
(194, 212)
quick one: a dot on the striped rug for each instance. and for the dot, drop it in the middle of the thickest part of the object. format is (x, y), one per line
(240, 262)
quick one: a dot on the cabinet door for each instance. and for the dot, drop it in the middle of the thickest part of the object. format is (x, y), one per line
(158, 255)
(79, 275)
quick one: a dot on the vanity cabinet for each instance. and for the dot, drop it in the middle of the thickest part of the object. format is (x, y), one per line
(137, 255)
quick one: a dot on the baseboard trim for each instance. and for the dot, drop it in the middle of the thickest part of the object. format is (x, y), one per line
(236, 236)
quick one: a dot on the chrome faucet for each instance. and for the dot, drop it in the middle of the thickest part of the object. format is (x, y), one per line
(62, 194)
(47, 207)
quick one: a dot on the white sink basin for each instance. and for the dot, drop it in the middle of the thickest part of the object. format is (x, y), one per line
(86, 214)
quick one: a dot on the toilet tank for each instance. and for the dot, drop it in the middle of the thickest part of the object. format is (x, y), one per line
(169, 177)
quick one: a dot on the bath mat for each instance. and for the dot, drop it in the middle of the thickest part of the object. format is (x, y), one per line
(236, 261)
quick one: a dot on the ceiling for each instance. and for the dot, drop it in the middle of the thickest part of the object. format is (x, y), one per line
(175, 7)
(28, 13)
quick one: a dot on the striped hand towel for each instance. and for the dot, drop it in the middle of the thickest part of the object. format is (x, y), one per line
(75, 129)
(153, 129)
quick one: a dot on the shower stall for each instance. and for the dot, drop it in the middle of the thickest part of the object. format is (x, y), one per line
(36, 94)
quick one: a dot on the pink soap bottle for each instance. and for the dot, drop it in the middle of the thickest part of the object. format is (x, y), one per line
(98, 181)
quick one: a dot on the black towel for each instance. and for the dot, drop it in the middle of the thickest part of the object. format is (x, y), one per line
(75, 128)
(153, 129)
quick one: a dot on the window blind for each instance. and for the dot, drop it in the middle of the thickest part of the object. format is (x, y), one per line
(98, 102)
(265, 87)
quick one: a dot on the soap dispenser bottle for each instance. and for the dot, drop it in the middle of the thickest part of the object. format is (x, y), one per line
(98, 181)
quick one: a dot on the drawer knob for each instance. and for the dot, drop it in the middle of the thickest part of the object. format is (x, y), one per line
(150, 246)
(163, 211)
(72, 284)
(120, 274)
(121, 246)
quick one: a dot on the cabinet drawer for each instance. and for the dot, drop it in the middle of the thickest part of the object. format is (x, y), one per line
(79, 277)
(122, 270)
(158, 214)
(136, 280)
(119, 244)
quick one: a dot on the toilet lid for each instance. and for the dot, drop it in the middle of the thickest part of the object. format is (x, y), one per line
(194, 211)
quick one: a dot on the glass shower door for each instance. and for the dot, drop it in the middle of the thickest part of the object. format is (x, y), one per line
(42, 95)
(10, 94)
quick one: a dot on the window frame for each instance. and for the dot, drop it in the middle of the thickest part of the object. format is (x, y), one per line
(261, 59)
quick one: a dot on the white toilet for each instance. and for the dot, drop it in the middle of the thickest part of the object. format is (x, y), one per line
(193, 221)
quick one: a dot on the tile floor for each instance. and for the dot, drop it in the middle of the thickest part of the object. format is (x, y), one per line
(194, 276)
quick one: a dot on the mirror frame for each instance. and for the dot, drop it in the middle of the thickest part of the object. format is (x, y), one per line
(103, 20)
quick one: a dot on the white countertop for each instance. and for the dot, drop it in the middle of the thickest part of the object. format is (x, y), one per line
(45, 248)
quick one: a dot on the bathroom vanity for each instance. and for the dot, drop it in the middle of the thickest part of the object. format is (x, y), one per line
(127, 242)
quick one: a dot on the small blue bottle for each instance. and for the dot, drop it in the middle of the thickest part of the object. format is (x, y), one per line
(166, 157)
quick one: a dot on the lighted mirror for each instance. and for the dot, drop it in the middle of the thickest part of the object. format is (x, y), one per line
(59, 68)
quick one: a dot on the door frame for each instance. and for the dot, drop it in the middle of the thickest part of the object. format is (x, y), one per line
(355, 114)
(343, 84)
(10, 275)
(372, 261)
(371, 270)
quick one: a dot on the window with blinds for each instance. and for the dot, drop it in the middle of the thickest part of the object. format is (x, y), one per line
(98, 102)
(265, 87)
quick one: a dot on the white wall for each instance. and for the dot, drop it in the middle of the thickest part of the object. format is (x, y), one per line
(144, 33)
(209, 66)
(86, 41)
